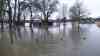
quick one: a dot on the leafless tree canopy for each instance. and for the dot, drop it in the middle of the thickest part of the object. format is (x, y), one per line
(78, 11)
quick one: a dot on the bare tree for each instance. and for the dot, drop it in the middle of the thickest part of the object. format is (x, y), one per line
(9, 12)
(2, 12)
(46, 7)
(20, 9)
(64, 10)
(27, 5)
(15, 9)
(77, 12)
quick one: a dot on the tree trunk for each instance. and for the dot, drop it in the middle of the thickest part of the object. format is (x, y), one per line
(31, 16)
(14, 16)
(10, 13)
(19, 14)
(78, 26)
(1, 12)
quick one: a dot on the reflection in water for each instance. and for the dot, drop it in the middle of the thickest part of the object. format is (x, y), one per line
(90, 46)
(52, 41)
(11, 33)
(45, 41)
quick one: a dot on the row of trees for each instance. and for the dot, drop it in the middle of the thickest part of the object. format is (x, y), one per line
(15, 10)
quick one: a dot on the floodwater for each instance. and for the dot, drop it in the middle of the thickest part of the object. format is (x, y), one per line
(58, 40)
(91, 45)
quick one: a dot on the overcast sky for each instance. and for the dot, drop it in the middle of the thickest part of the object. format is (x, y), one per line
(91, 5)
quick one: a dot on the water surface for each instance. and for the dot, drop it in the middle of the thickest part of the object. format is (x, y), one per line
(58, 40)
